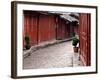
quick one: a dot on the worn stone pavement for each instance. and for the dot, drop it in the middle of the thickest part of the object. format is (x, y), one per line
(55, 56)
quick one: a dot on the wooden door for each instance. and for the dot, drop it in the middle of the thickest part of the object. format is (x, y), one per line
(30, 27)
(46, 28)
(60, 31)
(85, 39)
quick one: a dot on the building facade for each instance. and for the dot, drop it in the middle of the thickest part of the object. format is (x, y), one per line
(43, 26)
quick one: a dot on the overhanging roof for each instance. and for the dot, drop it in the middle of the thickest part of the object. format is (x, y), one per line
(69, 18)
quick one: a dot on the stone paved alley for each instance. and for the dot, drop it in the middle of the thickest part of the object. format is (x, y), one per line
(55, 56)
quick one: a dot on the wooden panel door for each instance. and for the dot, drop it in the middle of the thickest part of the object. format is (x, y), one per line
(60, 29)
(85, 39)
(52, 27)
(46, 28)
(34, 29)
(30, 27)
(43, 28)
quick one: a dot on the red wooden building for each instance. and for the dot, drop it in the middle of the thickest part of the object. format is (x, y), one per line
(45, 26)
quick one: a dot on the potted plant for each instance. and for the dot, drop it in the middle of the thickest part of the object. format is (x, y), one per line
(27, 42)
(75, 41)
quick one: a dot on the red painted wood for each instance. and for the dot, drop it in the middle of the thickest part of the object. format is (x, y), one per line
(46, 28)
(85, 38)
(30, 27)
(52, 25)
(63, 30)
(33, 30)
(42, 27)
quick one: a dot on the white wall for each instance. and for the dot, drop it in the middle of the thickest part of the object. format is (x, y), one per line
(5, 41)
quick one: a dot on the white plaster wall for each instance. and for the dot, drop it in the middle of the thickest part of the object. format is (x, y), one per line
(5, 40)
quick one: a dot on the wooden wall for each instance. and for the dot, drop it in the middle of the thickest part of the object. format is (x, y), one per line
(46, 28)
(41, 27)
(30, 27)
(85, 38)
(63, 29)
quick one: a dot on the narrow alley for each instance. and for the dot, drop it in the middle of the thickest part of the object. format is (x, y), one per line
(55, 56)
